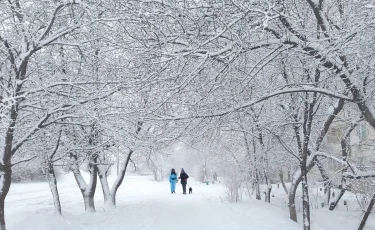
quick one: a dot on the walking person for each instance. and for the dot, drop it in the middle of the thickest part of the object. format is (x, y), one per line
(183, 177)
(173, 181)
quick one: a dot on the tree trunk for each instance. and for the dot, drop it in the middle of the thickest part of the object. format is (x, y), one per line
(87, 190)
(121, 173)
(297, 178)
(367, 213)
(257, 188)
(305, 198)
(345, 150)
(269, 188)
(5, 161)
(292, 198)
(5, 176)
(52, 182)
(89, 202)
(110, 194)
(282, 182)
(108, 198)
(334, 203)
(120, 177)
(2, 215)
(326, 182)
(268, 195)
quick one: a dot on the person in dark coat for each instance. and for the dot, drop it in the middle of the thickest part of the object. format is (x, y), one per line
(173, 181)
(183, 177)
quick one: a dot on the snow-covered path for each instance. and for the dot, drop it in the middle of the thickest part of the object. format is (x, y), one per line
(144, 204)
(141, 204)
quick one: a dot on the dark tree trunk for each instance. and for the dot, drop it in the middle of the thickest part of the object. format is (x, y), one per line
(256, 184)
(5, 172)
(367, 213)
(268, 195)
(292, 198)
(52, 182)
(305, 198)
(2, 215)
(5, 162)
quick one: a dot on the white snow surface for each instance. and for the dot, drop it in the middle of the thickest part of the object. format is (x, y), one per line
(145, 204)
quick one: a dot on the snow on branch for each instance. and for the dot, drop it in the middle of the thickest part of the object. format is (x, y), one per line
(266, 97)
(58, 108)
(26, 160)
(359, 174)
(355, 172)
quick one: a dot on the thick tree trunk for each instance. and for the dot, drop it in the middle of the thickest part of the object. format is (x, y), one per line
(5, 161)
(89, 202)
(87, 190)
(52, 182)
(2, 215)
(5, 176)
(367, 213)
(108, 198)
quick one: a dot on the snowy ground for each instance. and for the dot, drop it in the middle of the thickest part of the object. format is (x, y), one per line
(146, 204)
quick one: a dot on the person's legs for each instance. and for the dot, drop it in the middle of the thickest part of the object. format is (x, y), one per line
(173, 186)
(184, 188)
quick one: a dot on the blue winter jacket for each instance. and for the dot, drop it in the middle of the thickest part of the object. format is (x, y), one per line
(173, 177)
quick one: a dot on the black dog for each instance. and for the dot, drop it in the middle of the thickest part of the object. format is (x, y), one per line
(190, 190)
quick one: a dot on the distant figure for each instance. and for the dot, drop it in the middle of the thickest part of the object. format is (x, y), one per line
(183, 177)
(173, 181)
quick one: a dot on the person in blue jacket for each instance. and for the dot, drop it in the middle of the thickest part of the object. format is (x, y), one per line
(173, 181)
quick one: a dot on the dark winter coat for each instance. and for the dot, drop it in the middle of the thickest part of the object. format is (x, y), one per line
(183, 176)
